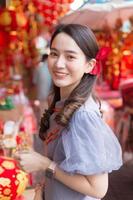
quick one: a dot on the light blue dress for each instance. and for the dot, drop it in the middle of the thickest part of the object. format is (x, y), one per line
(87, 146)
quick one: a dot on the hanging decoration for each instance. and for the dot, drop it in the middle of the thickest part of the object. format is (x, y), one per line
(13, 180)
(119, 62)
(19, 20)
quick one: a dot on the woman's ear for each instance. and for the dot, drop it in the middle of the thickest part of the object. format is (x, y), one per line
(90, 66)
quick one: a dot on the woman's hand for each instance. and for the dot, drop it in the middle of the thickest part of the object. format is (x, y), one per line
(32, 161)
(39, 192)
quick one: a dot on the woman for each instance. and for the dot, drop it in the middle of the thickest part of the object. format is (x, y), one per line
(81, 148)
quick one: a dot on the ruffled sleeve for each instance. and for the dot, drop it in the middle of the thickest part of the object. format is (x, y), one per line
(90, 146)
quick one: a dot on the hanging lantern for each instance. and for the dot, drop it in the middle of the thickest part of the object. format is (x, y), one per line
(8, 19)
(13, 181)
(21, 20)
(5, 18)
(4, 39)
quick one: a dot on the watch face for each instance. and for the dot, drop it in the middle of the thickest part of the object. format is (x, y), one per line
(49, 173)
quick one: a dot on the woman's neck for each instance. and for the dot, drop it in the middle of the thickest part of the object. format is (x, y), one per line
(66, 91)
(64, 94)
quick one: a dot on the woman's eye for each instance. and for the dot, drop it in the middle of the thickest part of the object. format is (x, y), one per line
(53, 54)
(69, 57)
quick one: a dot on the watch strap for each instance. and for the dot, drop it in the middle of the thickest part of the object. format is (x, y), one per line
(50, 171)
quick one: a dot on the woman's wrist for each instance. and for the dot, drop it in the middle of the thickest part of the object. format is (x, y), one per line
(51, 170)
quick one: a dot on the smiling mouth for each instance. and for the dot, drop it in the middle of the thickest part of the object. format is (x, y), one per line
(60, 74)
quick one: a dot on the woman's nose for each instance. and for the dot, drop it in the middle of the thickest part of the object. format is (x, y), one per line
(60, 62)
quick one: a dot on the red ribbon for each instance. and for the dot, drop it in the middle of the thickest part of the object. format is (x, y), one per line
(101, 55)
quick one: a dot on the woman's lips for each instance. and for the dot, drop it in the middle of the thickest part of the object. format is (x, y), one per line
(60, 74)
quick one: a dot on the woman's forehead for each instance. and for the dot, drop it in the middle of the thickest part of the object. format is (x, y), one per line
(64, 42)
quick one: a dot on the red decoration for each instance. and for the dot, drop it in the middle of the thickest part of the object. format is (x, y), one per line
(3, 40)
(11, 20)
(8, 19)
(12, 180)
(22, 19)
(70, 1)
(101, 56)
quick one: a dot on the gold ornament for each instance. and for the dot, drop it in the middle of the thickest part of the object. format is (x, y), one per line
(5, 182)
(5, 19)
(21, 19)
(21, 177)
(7, 191)
(8, 165)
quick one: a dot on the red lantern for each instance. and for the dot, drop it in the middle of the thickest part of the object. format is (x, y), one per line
(13, 181)
(8, 19)
(4, 39)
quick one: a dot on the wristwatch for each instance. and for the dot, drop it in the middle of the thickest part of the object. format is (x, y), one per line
(50, 171)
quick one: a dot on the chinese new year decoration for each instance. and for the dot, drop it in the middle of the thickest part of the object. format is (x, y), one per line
(13, 180)
(20, 23)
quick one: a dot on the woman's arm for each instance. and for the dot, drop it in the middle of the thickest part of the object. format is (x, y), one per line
(93, 185)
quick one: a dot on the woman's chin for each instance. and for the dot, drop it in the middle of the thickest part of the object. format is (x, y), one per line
(60, 83)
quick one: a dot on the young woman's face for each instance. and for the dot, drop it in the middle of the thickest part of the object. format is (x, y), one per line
(67, 63)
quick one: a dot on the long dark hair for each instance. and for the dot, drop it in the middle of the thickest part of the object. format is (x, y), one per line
(86, 40)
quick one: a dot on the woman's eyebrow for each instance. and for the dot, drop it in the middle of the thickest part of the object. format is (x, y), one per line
(53, 49)
(70, 51)
(66, 51)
